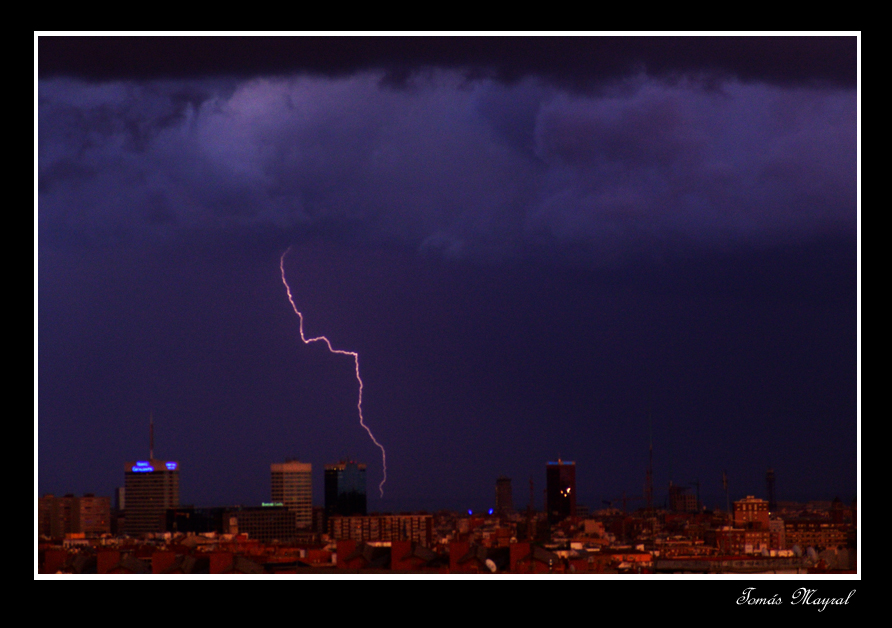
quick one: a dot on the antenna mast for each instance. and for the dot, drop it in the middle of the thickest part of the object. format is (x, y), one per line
(649, 478)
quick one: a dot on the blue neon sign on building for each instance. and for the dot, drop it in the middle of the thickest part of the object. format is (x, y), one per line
(143, 466)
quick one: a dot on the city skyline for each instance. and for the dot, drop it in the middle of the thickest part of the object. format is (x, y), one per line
(477, 503)
(532, 259)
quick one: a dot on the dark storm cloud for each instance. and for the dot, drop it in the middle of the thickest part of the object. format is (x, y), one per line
(751, 162)
(193, 164)
(578, 62)
(480, 168)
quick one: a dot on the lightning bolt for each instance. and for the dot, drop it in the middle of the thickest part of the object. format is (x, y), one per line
(353, 354)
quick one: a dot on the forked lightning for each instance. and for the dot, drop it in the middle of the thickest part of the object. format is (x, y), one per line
(355, 356)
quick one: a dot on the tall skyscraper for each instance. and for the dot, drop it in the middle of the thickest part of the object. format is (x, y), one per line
(345, 489)
(560, 490)
(292, 485)
(150, 488)
(504, 499)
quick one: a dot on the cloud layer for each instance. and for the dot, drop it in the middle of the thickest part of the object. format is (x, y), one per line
(448, 165)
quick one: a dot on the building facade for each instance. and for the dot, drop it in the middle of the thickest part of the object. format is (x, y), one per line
(417, 528)
(345, 493)
(89, 515)
(680, 500)
(292, 486)
(560, 490)
(751, 512)
(265, 523)
(92, 514)
(150, 488)
(504, 497)
(736, 541)
(815, 532)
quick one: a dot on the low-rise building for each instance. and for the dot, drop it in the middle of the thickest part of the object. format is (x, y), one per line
(417, 528)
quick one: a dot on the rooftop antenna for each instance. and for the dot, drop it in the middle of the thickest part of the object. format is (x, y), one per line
(151, 437)
(772, 500)
(649, 478)
(725, 486)
(531, 532)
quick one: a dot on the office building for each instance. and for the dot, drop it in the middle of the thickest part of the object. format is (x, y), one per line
(54, 515)
(59, 516)
(417, 528)
(345, 489)
(560, 490)
(150, 488)
(751, 512)
(292, 486)
(814, 532)
(504, 500)
(92, 514)
(192, 520)
(45, 515)
(266, 523)
(680, 500)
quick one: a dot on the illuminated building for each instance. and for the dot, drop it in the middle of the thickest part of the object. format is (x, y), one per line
(778, 533)
(751, 512)
(735, 541)
(345, 489)
(150, 488)
(815, 532)
(292, 485)
(417, 528)
(560, 490)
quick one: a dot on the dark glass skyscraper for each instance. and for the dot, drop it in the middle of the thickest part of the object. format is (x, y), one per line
(345, 489)
(504, 500)
(560, 490)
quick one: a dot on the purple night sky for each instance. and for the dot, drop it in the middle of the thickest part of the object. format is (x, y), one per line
(534, 244)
